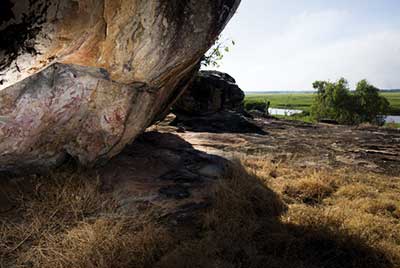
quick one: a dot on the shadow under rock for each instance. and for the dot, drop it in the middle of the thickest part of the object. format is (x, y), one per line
(229, 217)
(243, 228)
(221, 122)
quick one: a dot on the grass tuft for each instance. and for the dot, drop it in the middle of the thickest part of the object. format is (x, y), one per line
(65, 220)
(309, 191)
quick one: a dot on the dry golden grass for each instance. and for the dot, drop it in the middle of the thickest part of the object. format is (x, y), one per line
(63, 220)
(102, 243)
(309, 190)
(249, 225)
(356, 191)
(235, 227)
(261, 216)
(358, 208)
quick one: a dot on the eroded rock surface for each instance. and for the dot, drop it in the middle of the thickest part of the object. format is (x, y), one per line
(71, 110)
(84, 78)
(213, 103)
(304, 145)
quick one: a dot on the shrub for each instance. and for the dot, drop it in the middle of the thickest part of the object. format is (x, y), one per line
(372, 106)
(258, 106)
(335, 101)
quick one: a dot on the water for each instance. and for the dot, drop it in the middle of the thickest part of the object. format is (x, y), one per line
(289, 112)
(393, 119)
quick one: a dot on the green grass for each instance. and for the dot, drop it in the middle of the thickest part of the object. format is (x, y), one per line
(392, 125)
(303, 101)
(297, 101)
(394, 99)
(297, 117)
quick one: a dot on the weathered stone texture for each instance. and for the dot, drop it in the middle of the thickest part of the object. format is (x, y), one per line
(85, 77)
(211, 92)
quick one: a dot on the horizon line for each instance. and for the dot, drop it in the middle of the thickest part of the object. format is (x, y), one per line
(305, 90)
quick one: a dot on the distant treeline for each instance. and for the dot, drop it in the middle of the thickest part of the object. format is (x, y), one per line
(389, 90)
(307, 91)
(281, 92)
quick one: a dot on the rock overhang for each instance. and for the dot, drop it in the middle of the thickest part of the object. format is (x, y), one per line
(84, 78)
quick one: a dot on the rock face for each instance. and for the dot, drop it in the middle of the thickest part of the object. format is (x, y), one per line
(213, 103)
(211, 92)
(84, 78)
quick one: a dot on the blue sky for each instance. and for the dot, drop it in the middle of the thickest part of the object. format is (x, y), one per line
(289, 44)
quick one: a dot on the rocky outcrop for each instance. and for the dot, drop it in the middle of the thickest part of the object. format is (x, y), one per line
(211, 92)
(84, 78)
(213, 103)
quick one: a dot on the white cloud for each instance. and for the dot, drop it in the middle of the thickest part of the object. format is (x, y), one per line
(325, 44)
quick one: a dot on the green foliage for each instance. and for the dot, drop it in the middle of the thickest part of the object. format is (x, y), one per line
(295, 101)
(261, 106)
(392, 125)
(216, 53)
(394, 99)
(372, 105)
(335, 101)
(304, 101)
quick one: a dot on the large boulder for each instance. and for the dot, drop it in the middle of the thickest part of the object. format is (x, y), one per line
(211, 92)
(84, 78)
(213, 103)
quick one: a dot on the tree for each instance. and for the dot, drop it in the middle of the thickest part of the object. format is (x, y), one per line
(216, 53)
(335, 101)
(372, 106)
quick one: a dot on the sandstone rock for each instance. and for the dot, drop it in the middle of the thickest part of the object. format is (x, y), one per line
(213, 103)
(84, 78)
(211, 92)
(71, 110)
(372, 149)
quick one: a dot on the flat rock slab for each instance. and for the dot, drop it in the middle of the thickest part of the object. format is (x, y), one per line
(306, 145)
(162, 171)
